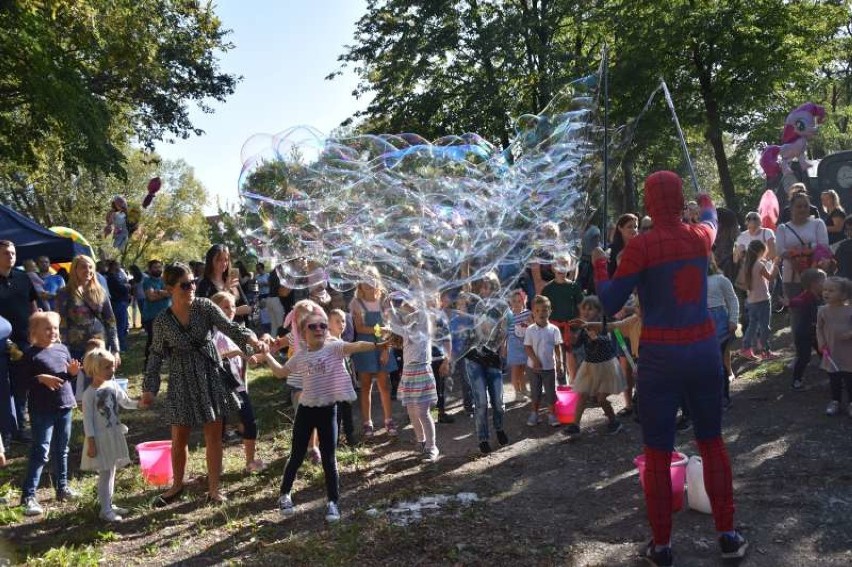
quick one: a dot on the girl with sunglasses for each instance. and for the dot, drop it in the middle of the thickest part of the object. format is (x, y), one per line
(325, 382)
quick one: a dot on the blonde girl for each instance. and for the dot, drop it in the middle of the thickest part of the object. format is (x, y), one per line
(105, 447)
(366, 314)
(834, 338)
(758, 272)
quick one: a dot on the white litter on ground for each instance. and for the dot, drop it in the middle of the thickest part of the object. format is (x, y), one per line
(405, 512)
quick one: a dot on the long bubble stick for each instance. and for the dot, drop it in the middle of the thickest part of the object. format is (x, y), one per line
(670, 103)
(826, 354)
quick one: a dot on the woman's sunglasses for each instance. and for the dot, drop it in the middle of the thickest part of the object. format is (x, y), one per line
(186, 286)
(317, 326)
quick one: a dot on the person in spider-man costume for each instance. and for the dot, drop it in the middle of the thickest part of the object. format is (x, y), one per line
(680, 357)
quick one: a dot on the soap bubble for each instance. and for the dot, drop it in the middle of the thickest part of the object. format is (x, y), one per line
(430, 216)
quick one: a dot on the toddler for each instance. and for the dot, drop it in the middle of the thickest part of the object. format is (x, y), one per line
(105, 448)
(542, 343)
(834, 338)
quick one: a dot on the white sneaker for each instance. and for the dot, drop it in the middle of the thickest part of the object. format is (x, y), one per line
(32, 507)
(120, 511)
(332, 514)
(552, 421)
(285, 506)
(833, 408)
(111, 516)
(533, 419)
(431, 455)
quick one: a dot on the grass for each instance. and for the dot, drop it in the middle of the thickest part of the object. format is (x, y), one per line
(85, 536)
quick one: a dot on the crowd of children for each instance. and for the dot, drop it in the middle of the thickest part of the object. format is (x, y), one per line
(331, 358)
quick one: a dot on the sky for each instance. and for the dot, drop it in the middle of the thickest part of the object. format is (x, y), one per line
(284, 49)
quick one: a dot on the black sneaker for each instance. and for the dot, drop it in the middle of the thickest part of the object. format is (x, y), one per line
(484, 447)
(445, 418)
(502, 438)
(614, 427)
(662, 558)
(798, 385)
(733, 547)
(571, 430)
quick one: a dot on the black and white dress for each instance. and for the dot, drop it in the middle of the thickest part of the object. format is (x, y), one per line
(195, 393)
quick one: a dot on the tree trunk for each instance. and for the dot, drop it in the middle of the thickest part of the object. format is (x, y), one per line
(714, 129)
(630, 204)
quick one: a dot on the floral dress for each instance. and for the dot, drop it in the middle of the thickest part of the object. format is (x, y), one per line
(196, 395)
(80, 321)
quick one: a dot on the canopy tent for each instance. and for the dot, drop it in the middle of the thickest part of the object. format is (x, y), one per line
(33, 240)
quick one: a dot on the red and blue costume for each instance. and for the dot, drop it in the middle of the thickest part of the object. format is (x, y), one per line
(680, 358)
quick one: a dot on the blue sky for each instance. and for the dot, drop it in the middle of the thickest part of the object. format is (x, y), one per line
(284, 49)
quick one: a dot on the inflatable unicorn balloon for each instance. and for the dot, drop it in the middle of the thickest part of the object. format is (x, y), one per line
(799, 127)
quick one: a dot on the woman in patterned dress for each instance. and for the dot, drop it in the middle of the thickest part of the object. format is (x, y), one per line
(183, 334)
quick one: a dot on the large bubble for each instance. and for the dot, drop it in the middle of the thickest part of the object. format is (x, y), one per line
(432, 217)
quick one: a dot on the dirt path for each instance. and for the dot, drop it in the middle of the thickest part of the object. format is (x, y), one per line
(542, 501)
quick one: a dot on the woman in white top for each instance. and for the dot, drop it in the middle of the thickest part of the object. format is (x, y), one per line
(795, 243)
(754, 231)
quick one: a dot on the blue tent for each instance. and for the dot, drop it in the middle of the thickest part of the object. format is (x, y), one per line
(33, 240)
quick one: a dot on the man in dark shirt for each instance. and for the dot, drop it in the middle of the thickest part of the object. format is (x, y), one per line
(17, 302)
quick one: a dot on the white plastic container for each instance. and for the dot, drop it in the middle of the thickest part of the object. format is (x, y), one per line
(696, 494)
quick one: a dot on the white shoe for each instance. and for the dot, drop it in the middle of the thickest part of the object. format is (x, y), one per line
(332, 514)
(833, 408)
(32, 507)
(120, 511)
(111, 516)
(285, 506)
(552, 421)
(533, 419)
(431, 455)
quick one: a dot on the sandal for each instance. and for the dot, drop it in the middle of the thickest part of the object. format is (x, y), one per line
(217, 500)
(625, 412)
(255, 466)
(390, 425)
(163, 500)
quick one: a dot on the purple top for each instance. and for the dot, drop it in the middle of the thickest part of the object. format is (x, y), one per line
(52, 360)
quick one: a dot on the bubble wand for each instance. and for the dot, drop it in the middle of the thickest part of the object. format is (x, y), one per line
(620, 338)
(826, 354)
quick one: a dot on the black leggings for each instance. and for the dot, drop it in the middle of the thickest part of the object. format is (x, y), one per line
(838, 380)
(440, 384)
(247, 417)
(324, 420)
(344, 420)
(804, 346)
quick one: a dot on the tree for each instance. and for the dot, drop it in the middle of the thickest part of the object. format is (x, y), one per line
(731, 66)
(438, 67)
(89, 75)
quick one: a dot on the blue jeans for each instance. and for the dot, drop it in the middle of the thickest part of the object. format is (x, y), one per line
(757, 332)
(122, 323)
(51, 433)
(486, 382)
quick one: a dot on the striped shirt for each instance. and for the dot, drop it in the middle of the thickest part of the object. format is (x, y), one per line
(294, 379)
(323, 373)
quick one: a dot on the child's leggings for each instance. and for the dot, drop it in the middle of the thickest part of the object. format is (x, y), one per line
(804, 345)
(422, 422)
(838, 380)
(106, 489)
(324, 420)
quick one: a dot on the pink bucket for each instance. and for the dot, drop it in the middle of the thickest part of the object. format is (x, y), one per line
(155, 460)
(566, 404)
(678, 472)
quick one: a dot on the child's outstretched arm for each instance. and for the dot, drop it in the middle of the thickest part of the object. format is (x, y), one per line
(278, 369)
(363, 346)
(126, 401)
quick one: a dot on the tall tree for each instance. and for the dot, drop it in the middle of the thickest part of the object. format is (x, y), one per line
(91, 74)
(728, 64)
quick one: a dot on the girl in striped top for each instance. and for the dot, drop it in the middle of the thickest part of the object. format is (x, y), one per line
(324, 383)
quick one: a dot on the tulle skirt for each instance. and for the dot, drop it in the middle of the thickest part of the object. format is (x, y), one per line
(595, 378)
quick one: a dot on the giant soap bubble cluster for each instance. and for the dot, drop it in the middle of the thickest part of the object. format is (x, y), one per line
(431, 216)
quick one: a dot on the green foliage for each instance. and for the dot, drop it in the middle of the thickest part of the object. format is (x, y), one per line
(88, 75)
(68, 556)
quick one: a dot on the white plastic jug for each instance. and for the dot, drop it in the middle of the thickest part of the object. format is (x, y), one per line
(695, 492)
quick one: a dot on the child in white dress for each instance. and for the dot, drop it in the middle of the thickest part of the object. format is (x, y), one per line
(105, 448)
